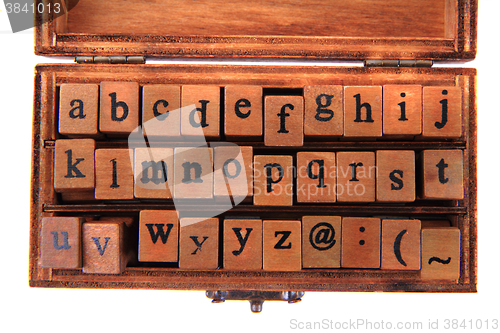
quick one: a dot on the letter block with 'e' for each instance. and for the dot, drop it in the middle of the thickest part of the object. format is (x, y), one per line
(74, 165)
(243, 112)
(199, 243)
(323, 112)
(243, 244)
(60, 243)
(78, 109)
(119, 108)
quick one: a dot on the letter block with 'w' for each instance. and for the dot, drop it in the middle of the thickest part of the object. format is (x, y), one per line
(60, 245)
(158, 235)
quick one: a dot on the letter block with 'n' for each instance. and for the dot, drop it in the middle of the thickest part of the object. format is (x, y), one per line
(74, 165)
(60, 243)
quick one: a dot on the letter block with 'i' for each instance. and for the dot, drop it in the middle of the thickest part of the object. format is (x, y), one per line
(443, 176)
(60, 243)
(402, 114)
(74, 165)
(78, 109)
(284, 121)
(442, 112)
(153, 173)
(119, 107)
(200, 114)
(363, 111)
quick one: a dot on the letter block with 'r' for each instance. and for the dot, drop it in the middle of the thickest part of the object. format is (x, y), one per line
(60, 243)
(243, 244)
(74, 165)
(199, 243)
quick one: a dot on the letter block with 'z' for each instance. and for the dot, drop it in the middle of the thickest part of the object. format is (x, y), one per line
(282, 246)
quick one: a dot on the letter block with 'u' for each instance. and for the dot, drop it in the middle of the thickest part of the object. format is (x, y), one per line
(60, 243)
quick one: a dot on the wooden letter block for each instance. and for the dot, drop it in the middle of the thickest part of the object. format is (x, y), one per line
(119, 108)
(243, 112)
(361, 242)
(193, 173)
(443, 174)
(402, 115)
(273, 180)
(60, 244)
(284, 121)
(114, 174)
(363, 111)
(282, 246)
(316, 177)
(395, 175)
(153, 173)
(161, 114)
(323, 113)
(199, 243)
(78, 109)
(321, 241)
(104, 247)
(74, 165)
(442, 112)
(200, 114)
(356, 176)
(233, 172)
(440, 254)
(401, 244)
(158, 235)
(243, 244)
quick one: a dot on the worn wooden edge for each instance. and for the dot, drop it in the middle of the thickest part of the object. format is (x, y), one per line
(49, 42)
(132, 277)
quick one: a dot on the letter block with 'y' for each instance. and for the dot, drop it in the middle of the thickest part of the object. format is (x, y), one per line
(74, 165)
(199, 243)
(60, 243)
(158, 235)
(243, 244)
(119, 107)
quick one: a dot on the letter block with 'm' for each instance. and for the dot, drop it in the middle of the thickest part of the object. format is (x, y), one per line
(153, 173)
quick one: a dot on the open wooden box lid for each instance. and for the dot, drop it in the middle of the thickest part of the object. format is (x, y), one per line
(327, 29)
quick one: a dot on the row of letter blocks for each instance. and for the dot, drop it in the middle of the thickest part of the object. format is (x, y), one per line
(321, 112)
(255, 244)
(222, 171)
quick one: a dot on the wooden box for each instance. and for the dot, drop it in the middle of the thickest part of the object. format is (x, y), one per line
(398, 41)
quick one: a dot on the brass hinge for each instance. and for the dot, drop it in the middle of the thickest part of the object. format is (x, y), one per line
(110, 60)
(398, 63)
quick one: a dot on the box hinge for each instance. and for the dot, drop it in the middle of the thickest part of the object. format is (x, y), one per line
(110, 60)
(398, 63)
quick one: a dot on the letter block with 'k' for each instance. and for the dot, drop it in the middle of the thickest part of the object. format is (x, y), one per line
(74, 165)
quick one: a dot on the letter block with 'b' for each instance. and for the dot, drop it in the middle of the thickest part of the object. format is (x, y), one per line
(60, 243)
(119, 107)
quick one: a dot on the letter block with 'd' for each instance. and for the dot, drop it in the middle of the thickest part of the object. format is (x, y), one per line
(200, 114)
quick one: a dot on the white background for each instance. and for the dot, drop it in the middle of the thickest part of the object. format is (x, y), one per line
(56, 310)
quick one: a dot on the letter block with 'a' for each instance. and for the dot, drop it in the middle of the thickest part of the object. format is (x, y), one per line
(78, 109)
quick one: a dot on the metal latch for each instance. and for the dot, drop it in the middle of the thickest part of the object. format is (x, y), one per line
(110, 59)
(398, 63)
(256, 298)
